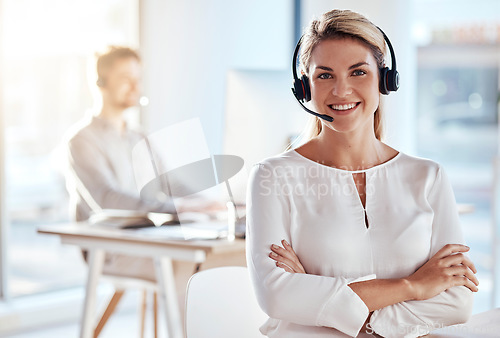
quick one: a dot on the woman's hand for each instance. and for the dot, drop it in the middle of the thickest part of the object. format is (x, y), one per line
(286, 258)
(447, 268)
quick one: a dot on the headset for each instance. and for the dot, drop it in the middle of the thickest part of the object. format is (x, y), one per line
(389, 79)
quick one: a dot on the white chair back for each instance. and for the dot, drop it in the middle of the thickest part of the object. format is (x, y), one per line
(220, 303)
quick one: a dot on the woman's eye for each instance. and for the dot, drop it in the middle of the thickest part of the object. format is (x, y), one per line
(324, 76)
(358, 72)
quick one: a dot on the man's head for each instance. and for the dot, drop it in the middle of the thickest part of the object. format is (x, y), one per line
(119, 76)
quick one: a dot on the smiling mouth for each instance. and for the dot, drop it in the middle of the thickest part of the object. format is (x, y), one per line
(343, 107)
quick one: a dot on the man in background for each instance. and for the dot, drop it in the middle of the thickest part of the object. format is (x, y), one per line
(100, 173)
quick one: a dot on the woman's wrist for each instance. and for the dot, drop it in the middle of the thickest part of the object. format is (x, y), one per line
(409, 289)
(379, 293)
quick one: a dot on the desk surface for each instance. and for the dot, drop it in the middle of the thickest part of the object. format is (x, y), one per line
(151, 243)
(82, 231)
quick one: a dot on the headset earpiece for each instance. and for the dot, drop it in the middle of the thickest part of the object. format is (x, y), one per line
(307, 88)
(389, 78)
(301, 89)
(383, 81)
(298, 89)
(393, 80)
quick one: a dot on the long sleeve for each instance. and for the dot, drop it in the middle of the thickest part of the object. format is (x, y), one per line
(303, 299)
(90, 168)
(453, 306)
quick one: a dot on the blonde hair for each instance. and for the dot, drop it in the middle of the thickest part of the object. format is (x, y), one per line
(340, 24)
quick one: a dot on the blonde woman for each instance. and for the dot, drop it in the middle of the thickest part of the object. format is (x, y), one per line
(347, 235)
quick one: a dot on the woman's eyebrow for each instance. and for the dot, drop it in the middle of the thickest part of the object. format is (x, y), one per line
(356, 65)
(328, 69)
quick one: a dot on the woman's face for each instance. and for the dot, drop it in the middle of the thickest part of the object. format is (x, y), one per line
(344, 79)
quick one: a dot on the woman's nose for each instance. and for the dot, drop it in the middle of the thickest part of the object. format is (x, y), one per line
(341, 87)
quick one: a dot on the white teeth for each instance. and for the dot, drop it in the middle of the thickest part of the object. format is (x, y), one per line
(343, 106)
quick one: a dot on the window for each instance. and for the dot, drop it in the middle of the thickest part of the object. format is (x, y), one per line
(458, 127)
(48, 49)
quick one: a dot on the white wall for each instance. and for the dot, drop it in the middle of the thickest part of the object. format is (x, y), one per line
(263, 115)
(395, 18)
(188, 47)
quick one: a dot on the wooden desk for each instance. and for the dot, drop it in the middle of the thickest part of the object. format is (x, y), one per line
(99, 240)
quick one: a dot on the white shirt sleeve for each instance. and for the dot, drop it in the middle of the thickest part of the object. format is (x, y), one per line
(303, 299)
(453, 306)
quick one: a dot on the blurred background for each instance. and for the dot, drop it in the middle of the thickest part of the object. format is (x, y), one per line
(227, 62)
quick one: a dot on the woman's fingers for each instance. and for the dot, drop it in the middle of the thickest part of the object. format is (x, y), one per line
(287, 256)
(464, 281)
(457, 259)
(450, 249)
(285, 263)
(287, 253)
(463, 271)
(281, 255)
(285, 267)
(459, 265)
(449, 267)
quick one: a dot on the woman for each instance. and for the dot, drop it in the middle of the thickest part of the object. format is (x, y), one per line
(346, 234)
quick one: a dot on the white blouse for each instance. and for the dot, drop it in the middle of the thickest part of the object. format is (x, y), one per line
(410, 215)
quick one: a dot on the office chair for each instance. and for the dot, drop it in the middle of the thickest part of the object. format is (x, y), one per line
(121, 284)
(220, 302)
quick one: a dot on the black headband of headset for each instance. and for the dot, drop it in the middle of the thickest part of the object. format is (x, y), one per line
(393, 55)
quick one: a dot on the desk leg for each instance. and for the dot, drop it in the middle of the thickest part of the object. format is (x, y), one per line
(95, 263)
(168, 296)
